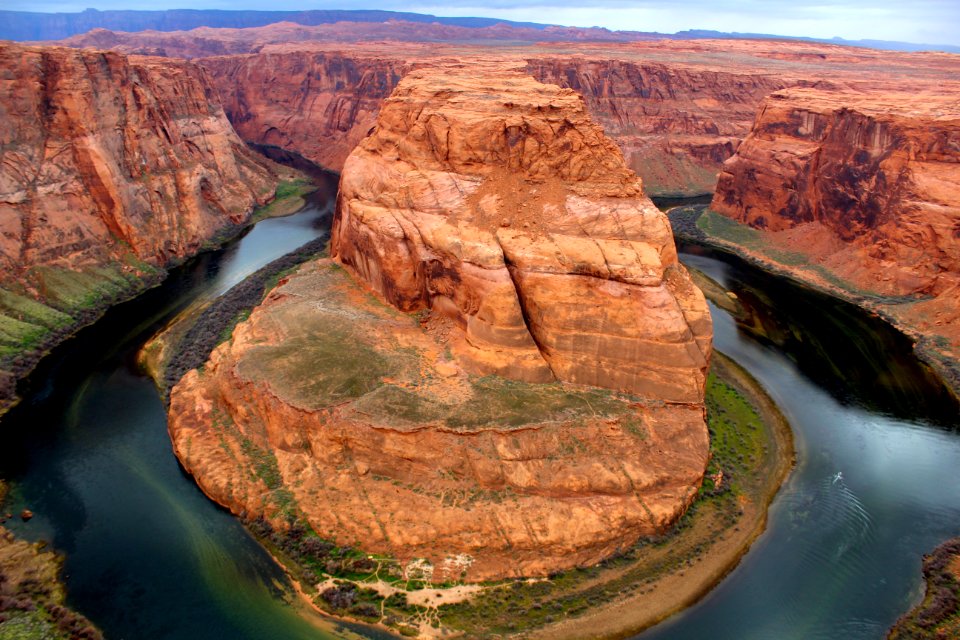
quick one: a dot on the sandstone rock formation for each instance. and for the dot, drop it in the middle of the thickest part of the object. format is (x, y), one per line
(317, 104)
(675, 123)
(329, 407)
(102, 153)
(495, 200)
(110, 167)
(867, 186)
(494, 205)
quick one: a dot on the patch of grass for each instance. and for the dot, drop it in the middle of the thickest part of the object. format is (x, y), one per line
(724, 228)
(736, 436)
(495, 401)
(287, 199)
(28, 310)
(318, 370)
(93, 288)
(227, 332)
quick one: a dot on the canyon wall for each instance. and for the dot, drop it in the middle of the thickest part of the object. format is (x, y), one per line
(110, 168)
(317, 104)
(461, 440)
(677, 109)
(675, 124)
(866, 187)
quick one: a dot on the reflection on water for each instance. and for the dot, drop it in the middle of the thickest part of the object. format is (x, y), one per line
(148, 555)
(853, 355)
(876, 483)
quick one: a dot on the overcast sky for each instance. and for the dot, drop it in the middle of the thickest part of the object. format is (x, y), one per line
(924, 21)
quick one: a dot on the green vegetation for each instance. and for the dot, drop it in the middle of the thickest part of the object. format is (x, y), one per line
(318, 370)
(227, 332)
(938, 616)
(57, 302)
(719, 226)
(287, 199)
(496, 401)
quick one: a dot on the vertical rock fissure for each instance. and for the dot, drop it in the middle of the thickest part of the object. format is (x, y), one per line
(525, 315)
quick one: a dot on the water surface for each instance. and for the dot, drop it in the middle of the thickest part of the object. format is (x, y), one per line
(147, 554)
(876, 485)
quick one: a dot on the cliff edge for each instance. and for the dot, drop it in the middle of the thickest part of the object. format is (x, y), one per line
(862, 190)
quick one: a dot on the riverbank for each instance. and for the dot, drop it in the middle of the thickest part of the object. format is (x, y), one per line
(30, 329)
(32, 597)
(696, 224)
(752, 455)
(938, 614)
(187, 340)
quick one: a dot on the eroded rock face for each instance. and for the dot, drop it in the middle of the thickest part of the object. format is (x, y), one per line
(495, 200)
(318, 104)
(102, 156)
(329, 407)
(495, 205)
(881, 173)
(676, 124)
(865, 184)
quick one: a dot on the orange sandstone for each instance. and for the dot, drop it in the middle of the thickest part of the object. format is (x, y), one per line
(867, 185)
(494, 202)
(103, 155)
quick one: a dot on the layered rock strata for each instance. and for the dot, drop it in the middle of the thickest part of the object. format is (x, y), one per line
(496, 207)
(676, 124)
(866, 186)
(495, 200)
(317, 104)
(110, 168)
(677, 109)
(102, 153)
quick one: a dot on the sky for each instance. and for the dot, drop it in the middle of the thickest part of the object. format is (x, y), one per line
(921, 21)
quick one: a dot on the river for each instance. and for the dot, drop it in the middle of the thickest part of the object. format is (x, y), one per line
(148, 556)
(876, 483)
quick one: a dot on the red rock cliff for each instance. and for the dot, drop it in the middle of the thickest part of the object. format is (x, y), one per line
(496, 200)
(318, 104)
(101, 155)
(877, 173)
(867, 186)
(110, 168)
(676, 124)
